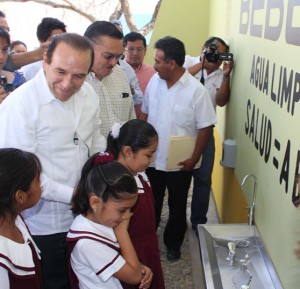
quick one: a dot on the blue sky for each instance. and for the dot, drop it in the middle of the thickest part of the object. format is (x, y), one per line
(140, 21)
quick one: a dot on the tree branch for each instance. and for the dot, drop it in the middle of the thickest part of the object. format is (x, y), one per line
(117, 13)
(122, 7)
(150, 25)
(53, 4)
(128, 16)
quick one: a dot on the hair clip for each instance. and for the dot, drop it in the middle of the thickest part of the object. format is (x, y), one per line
(115, 130)
(103, 158)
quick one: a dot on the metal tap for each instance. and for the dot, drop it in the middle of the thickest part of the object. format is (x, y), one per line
(231, 254)
(251, 208)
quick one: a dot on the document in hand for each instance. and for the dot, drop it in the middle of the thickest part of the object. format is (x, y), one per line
(180, 149)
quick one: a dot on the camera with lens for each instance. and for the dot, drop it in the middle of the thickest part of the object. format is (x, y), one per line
(8, 87)
(212, 55)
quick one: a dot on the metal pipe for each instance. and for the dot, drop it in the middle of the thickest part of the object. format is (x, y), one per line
(251, 208)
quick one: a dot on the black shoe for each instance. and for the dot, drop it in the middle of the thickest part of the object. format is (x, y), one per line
(195, 229)
(173, 255)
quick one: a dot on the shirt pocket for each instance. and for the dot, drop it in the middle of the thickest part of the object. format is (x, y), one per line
(183, 115)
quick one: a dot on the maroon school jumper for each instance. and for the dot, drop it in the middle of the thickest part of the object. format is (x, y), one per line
(27, 281)
(142, 232)
(21, 277)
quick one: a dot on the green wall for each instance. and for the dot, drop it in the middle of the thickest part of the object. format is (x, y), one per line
(262, 115)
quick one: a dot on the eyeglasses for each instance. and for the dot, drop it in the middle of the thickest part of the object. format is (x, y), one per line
(110, 57)
(132, 49)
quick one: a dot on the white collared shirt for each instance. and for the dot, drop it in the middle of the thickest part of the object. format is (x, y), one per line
(179, 111)
(16, 258)
(32, 119)
(30, 70)
(212, 81)
(95, 257)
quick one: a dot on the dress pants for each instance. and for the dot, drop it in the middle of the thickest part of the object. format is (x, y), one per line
(54, 260)
(202, 185)
(178, 184)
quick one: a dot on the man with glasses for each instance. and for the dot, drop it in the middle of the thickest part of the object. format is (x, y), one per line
(107, 78)
(135, 51)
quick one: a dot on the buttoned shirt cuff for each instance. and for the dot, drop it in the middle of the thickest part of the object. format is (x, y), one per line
(64, 193)
(54, 191)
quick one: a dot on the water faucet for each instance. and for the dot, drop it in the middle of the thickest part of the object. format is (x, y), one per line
(231, 254)
(251, 208)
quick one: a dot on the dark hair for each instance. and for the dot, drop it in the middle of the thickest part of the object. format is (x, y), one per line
(15, 43)
(110, 180)
(4, 34)
(173, 49)
(134, 36)
(2, 14)
(45, 28)
(17, 170)
(102, 28)
(136, 133)
(214, 39)
(74, 40)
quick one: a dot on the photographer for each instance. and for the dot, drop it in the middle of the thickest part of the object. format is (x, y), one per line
(9, 80)
(207, 69)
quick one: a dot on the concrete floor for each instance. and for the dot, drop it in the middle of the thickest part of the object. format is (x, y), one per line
(212, 218)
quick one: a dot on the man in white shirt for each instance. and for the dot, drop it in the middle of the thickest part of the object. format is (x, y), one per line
(135, 50)
(176, 104)
(56, 116)
(107, 78)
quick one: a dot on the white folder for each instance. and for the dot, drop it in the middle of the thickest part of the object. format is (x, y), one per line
(180, 149)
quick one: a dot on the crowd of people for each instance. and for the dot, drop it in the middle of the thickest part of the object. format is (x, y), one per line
(84, 138)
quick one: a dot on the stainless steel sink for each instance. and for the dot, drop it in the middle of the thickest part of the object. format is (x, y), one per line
(221, 270)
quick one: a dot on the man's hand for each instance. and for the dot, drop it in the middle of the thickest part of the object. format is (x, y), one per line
(227, 67)
(39, 52)
(187, 165)
(25, 58)
(132, 90)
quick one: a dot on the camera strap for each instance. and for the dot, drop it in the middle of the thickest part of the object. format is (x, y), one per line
(202, 80)
(202, 77)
